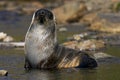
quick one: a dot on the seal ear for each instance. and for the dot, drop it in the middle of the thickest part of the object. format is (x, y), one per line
(33, 17)
(54, 18)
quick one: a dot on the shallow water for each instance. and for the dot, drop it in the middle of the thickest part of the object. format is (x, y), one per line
(13, 59)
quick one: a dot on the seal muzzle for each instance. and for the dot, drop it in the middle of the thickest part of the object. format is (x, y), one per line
(43, 15)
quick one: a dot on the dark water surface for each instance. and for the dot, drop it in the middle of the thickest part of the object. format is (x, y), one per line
(13, 59)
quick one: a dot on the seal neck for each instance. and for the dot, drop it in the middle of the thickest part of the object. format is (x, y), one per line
(44, 31)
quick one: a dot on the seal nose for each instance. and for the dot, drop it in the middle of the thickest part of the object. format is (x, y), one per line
(42, 12)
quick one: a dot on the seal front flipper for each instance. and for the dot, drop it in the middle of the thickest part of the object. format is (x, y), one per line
(87, 62)
(27, 65)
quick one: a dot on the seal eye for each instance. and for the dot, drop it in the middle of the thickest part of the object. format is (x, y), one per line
(50, 15)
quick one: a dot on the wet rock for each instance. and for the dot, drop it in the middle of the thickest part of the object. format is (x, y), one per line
(62, 29)
(109, 39)
(3, 73)
(5, 38)
(78, 37)
(98, 5)
(91, 44)
(2, 35)
(8, 39)
(6, 46)
(89, 18)
(70, 12)
(71, 44)
(85, 45)
(105, 26)
(101, 55)
(11, 45)
(104, 22)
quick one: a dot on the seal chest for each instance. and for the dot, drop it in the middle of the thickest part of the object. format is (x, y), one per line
(35, 41)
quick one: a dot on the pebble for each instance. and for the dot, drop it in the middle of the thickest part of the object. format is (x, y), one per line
(8, 39)
(79, 36)
(2, 35)
(3, 73)
(5, 38)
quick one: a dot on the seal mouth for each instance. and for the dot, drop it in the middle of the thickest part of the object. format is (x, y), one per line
(42, 16)
(42, 19)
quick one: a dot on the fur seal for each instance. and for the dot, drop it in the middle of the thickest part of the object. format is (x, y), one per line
(42, 50)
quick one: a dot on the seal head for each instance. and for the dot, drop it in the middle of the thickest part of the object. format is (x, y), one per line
(43, 15)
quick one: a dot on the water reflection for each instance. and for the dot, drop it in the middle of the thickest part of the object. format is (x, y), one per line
(38, 75)
(64, 74)
(13, 61)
